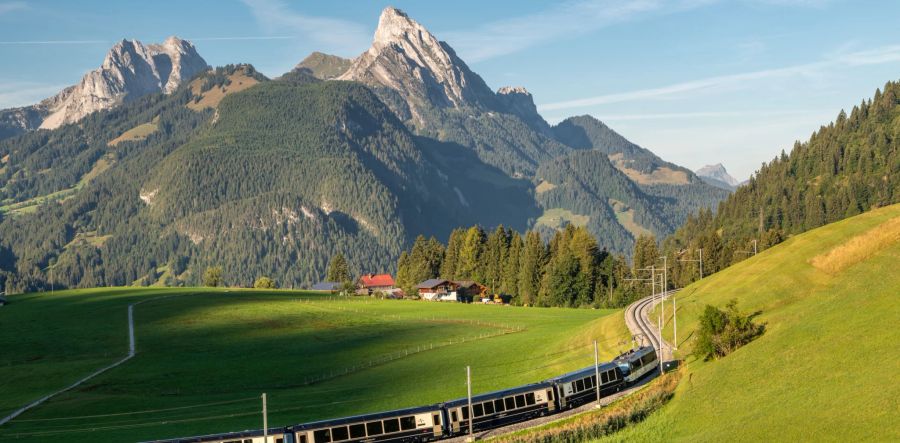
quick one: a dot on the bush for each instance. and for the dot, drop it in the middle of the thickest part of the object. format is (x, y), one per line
(212, 277)
(721, 332)
(264, 283)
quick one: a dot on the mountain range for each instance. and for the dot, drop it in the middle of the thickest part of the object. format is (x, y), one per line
(174, 167)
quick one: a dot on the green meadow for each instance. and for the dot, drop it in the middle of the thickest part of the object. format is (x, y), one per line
(826, 368)
(204, 356)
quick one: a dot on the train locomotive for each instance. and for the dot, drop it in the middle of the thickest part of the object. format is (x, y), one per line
(451, 418)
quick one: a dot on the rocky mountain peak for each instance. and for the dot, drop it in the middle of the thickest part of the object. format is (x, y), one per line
(517, 100)
(130, 70)
(716, 175)
(407, 59)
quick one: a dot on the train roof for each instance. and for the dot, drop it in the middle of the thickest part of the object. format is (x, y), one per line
(364, 417)
(498, 394)
(590, 370)
(217, 437)
(635, 353)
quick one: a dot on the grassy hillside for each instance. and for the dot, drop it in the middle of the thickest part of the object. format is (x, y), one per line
(202, 346)
(826, 367)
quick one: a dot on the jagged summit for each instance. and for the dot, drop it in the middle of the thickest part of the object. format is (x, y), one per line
(718, 172)
(130, 70)
(406, 58)
(517, 100)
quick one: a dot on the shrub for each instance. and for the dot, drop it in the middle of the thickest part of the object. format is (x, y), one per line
(213, 276)
(264, 283)
(721, 332)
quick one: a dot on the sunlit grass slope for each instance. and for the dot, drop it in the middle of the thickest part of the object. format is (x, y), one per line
(199, 346)
(827, 367)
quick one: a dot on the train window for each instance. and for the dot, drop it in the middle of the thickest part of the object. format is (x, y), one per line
(373, 428)
(520, 401)
(488, 408)
(407, 423)
(436, 420)
(510, 403)
(356, 431)
(391, 425)
(579, 385)
(277, 440)
(453, 417)
(479, 410)
(613, 375)
(498, 405)
(529, 398)
(303, 438)
(465, 412)
(604, 378)
(589, 382)
(339, 433)
(647, 359)
(322, 436)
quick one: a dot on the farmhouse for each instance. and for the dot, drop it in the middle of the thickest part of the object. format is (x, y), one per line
(371, 283)
(470, 290)
(438, 289)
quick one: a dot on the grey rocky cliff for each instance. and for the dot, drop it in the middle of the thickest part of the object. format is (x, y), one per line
(129, 71)
(423, 71)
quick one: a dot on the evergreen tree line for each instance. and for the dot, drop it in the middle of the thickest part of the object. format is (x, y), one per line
(569, 270)
(848, 167)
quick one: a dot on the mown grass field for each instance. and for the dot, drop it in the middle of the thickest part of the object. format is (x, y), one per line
(202, 346)
(826, 368)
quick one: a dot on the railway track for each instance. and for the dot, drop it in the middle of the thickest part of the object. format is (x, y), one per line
(640, 325)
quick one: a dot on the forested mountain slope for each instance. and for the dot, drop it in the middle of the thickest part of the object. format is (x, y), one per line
(845, 168)
(271, 180)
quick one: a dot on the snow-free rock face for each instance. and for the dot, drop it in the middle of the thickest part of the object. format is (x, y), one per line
(716, 175)
(129, 71)
(423, 71)
(517, 100)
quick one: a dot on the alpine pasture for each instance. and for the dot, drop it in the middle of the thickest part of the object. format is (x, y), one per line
(826, 367)
(204, 356)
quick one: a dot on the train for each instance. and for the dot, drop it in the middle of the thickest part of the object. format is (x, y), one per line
(451, 418)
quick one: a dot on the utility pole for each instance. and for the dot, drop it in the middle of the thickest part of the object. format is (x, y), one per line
(675, 322)
(693, 260)
(597, 371)
(265, 414)
(471, 412)
(754, 246)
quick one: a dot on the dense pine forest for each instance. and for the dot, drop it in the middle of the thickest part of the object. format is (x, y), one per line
(848, 167)
(569, 270)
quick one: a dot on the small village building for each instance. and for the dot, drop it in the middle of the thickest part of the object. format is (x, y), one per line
(371, 283)
(470, 290)
(436, 289)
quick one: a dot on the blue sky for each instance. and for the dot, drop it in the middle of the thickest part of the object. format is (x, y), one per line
(696, 81)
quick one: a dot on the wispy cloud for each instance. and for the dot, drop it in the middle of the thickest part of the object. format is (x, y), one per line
(564, 20)
(6, 7)
(54, 42)
(334, 35)
(260, 37)
(573, 18)
(881, 55)
(19, 93)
